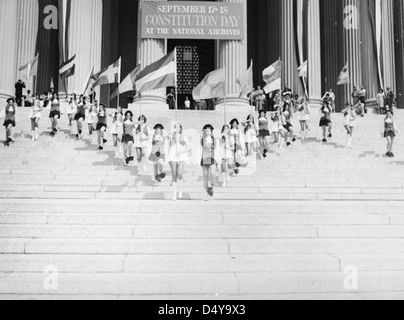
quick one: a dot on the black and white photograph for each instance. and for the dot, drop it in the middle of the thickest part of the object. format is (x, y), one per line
(201, 155)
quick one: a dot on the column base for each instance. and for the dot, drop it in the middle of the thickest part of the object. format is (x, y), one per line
(234, 108)
(316, 102)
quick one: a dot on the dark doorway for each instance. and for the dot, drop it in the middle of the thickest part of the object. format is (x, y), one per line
(196, 58)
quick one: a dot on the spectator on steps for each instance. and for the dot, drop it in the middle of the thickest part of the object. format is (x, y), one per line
(19, 87)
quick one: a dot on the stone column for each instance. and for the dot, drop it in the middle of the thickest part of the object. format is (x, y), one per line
(28, 17)
(352, 47)
(388, 63)
(289, 67)
(399, 50)
(151, 50)
(8, 48)
(233, 57)
(85, 40)
(314, 53)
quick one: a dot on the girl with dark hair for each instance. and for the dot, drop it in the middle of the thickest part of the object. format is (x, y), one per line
(226, 151)
(389, 132)
(9, 120)
(325, 121)
(80, 116)
(92, 118)
(158, 153)
(101, 126)
(177, 157)
(278, 129)
(264, 134)
(288, 112)
(303, 116)
(117, 131)
(55, 113)
(128, 137)
(141, 142)
(208, 161)
(35, 116)
(237, 141)
(251, 134)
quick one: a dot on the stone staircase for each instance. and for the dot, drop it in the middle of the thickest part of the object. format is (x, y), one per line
(291, 230)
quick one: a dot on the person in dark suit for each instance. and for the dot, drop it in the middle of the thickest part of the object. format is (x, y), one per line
(19, 86)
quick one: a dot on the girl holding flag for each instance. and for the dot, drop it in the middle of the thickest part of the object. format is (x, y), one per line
(80, 116)
(9, 120)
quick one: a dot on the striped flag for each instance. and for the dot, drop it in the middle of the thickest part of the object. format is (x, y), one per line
(344, 76)
(109, 75)
(273, 77)
(91, 78)
(160, 74)
(30, 69)
(213, 86)
(246, 82)
(67, 69)
(128, 84)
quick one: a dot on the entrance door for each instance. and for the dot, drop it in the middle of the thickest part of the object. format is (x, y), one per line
(196, 58)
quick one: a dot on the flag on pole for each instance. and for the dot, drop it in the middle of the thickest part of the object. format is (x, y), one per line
(344, 76)
(303, 70)
(30, 69)
(128, 84)
(91, 78)
(213, 86)
(158, 75)
(273, 77)
(68, 68)
(246, 82)
(109, 75)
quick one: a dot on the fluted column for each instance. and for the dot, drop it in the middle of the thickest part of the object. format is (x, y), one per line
(85, 40)
(388, 44)
(28, 16)
(352, 47)
(233, 57)
(151, 50)
(314, 53)
(369, 57)
(399, 50)
(8, 47)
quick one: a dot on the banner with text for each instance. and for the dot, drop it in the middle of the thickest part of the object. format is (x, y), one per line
(192, 20)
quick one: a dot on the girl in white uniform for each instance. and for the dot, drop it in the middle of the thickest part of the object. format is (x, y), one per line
(278, 129)
(117, 131)
(35, 116)
(238, 143)
(92, 117)
(264, 134)
(72, 109)
(177, 158)
(9, 120)
(128, 137)
(226, 151)
(303, 117)
(102, 126)
(251, 135)
(80, 116)
(141, 142)
(350, 115)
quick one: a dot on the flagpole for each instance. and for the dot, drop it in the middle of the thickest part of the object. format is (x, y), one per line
(176, 86)
(119, 81)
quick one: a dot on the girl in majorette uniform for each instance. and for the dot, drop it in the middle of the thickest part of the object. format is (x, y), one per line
(264, 133)
(177, 158)
(92, 117)
(55, 114)
(237, 141)
(102, 126)
(208, 161)
(303, 116)
(325, 121)
(389, 132)
(72, 109)
(278, 129)
(158, 153)
(128, 137)
(250, 134)
(35, 116)
(288, 119)
(141, 142)
(350, 114)
(117, 131)
(80, 116)
(9, 120)
(226, 151)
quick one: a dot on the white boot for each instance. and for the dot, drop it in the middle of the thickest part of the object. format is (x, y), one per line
(349, 144)
(180, 188)
(174, 186)
(33, 136)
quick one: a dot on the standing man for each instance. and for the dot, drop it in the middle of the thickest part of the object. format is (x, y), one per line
(390, 99)
(362, 97)
(19, 86)
(259, 98)
(171, 99)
